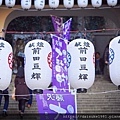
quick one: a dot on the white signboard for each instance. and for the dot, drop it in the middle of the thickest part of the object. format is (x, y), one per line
(114, 58)
(26, 4)
(53, 3)
(112, 2)
(82, 3)
(81, 71)
(10, 3)
(6, 60)
(68, 3)
(96, 3)
(39, 4)
(37, 71)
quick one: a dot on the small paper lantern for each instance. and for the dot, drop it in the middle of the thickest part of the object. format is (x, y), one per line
(68, 3)
(112, 2)
(53, 3)
(6, 59)
(10, 3)
(39, 4)
(1, 2)
(82, 3)
(26, 4)
(81, 71)
(37, 71)
(96, 3)
(114, 58)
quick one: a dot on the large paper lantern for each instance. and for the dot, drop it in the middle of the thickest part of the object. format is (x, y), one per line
(82, 3)
(81, 71)
(114, 58)
(26, 4)
(53, 3)
(10, 3)
(112, 2)
(6, 59)
(96, 3)
(39, 4)
(37, 71)
(1, 2)
(68, 3)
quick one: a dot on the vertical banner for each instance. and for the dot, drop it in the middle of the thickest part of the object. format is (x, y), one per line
(61, 29)
(60, 102)
(57, 23)
(66, 29)
(59, 63)
(57, 104)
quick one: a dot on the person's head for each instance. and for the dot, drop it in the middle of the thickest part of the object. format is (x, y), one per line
(97, 55)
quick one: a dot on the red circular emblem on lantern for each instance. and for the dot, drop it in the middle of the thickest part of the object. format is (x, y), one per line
(10, 60)
(49, 59)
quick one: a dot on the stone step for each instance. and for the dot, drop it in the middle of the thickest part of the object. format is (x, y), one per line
(96, 100)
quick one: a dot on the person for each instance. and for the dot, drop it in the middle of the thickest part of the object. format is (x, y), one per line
(29, 103)
(19, 47)
(21, 90)
(106, 61)
(4, 93)
(99, 64)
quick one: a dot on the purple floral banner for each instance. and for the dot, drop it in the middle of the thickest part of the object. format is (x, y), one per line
(52, 104)
(61, 29)
(59, 63)
(66, 29)
(60, 103)
(57, 23)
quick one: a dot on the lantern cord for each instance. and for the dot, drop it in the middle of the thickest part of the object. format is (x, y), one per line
(87, 31)
(74, 93)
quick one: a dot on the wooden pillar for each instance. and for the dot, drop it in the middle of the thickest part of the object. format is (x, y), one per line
(3, 15)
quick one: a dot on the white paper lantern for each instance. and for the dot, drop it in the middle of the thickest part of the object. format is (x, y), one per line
(53, 3)
(112, 2)
(37, 71)
(81, 71)
(10, 3)
(96, 3)
(6, 59)
(1, 2)
(82, 3)
(26, 4)
(39, 4)
(68, 3)
(114, 58)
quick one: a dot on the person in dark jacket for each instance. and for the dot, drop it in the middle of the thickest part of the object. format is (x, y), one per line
(21, 90)
(99, 64)
(4, 93)
(106, 62)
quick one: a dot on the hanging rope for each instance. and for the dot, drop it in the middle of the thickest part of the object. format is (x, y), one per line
(90, 93)
(87, 31)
